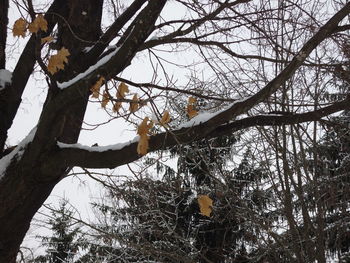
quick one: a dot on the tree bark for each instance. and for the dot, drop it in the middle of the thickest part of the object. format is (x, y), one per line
(32, 174)
(4, 4)
(21, 196)
(10, 97)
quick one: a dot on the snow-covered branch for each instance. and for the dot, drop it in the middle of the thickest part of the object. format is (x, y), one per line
(123, 153)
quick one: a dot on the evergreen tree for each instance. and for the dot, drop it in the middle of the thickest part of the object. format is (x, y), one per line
(331, 161)
(333, 169)
(63, 245)
(159, 220)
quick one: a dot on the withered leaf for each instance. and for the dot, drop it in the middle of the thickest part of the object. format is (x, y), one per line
(144, 127)
(56, 62)
(142, 146)
(191, 112)
(134, 105)
(19, 28)
(95, 89)
(122, 90)
(117, 106)
(143, 131)
(165, 119)
(39, 23)
(205, 205)
(192, 100)
(47, 39)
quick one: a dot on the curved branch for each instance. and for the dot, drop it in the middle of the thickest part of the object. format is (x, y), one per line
(187, 134)
(126, 53)
(108, 66)
(120, 154)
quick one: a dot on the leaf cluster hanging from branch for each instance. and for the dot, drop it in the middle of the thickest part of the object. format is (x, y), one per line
(21, 26)
(56, 62)
(144, 130)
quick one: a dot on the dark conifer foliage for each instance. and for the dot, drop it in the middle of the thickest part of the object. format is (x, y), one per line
(65, 241)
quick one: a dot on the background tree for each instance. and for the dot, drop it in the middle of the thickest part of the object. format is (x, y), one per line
(238, 84)
(159, 220)
(64, 243)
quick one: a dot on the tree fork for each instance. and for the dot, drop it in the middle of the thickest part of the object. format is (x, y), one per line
(23, 191)
(29, 180)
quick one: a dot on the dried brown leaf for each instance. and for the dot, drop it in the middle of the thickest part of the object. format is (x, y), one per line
(47, 39)
(165, 119)
(56, 62)
(39, 23)
(144, 127)
(105, 99)
(19, 28)
(134, 105)
(142, 146)
(122, 90)
(191, 111)
(205, 205)
(95, 89)
(143, 131)
(117, 106)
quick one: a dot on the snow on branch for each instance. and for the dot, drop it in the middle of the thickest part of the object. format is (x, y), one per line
(113, 147)
(123, 153)
(5, 78)
(6, 160)
(90, 70)
(206, 116)
(211, 125)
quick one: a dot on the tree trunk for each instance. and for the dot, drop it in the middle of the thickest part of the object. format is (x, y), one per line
(26, 185)
(4, 4)
(21, 195)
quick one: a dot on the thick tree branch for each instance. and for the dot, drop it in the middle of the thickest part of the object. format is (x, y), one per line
(277, 120)
(53, 111)
(113, 31)
(341, 28)
(111, 157)
(130, 47)
(10, 98)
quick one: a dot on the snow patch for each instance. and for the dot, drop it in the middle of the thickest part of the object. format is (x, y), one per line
(205, 116)
(87, 49)
(5, 78)
(16, 153)
(152, 37)
(91, 69)
(112, 147)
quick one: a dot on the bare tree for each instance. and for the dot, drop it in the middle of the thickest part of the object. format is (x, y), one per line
(227, 36)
